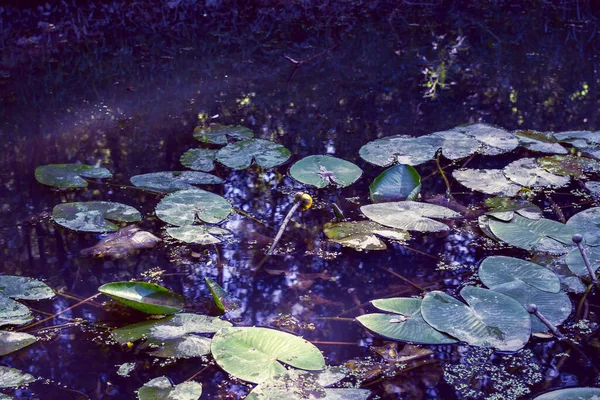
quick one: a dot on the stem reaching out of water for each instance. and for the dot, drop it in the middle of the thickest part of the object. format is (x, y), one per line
(437, 162)
(59, 313)
(300, 200)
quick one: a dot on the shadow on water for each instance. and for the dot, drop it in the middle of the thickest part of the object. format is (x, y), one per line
(123, 87)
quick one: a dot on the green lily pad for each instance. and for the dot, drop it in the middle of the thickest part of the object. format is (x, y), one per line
(20, 287)
(321, 171)
(13, 313)
(493, 140)
(497, 270)
(587, 224)
(401, 150)
(13, 378)
(579, 393)
(298, 385)
(575, 261)
(401, 182)
(161, 388)
(456, 145)
(218, 134)
(593, 187)
(409, 215)
(362, 235)
(198, 234)
(527, 172)
(223, 300)
(406, 324)
(266, 154)
(199, 159)
(504, 208)
(490, 181)
(69, 175)
(542, 142)
(253, 354)
(13, 341)
(569, 165)
(172, 181)
(489, 319)
(145, 297)
(183, 207)
(585, 141)
(535, 235)
(94, 216)
(556, 307)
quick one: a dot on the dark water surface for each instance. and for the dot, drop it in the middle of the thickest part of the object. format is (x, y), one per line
(123, 88)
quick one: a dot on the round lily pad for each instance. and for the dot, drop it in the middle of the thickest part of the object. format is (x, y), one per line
(161, 388)
(94, 216)
(400, 182)
(13, 313)
(172, 181)
(497, 270)
(543, 142)
(527, 172)
(575, 261)
(401, 150)
(198, 234)
(321, 171)
(254, 354)
(266, 154)
(409, 215)
(69, 175)
(578, 393)
(13, 341)
(20, 287)
(504, 208)
(406, 324)
(587, 224)
(493, 140)
(199, 159)
(539, 235)
(455, 145)
(489, 319)
(569, 165)
(13, 378)
(218, 134)
(145, 297)
(362, 235)
(490, 181)
(184, 206)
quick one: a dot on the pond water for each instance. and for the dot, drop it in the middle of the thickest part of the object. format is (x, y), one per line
(112, 85)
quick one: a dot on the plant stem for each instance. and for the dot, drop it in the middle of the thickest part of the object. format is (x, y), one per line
(283, 225)
(59, 313)
(437, 162)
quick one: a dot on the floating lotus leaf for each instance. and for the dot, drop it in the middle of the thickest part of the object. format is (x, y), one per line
(489, 319)
(593, 187)
(579, 393)
(362, 235)
(539, 235)
(223, 300)
(94, 216)
(13, 313)
(253, 354)
(409, 215)
(484, 224)
(556, 307)
(490, 181)
(401, 150)
(266, 154)
(406, 324)
(13, 378)
(497, 270)
(401, 182)
(587, 224)
(13, 341)
(569, 165)
(493, 140)
(456, 145)
(161, 388)
(218, 134)
(527, 172)
(298, 385)
(171, 181)
(122, 244)
(198, 234)
(145, 297)
(69, 175)
(183, 207)
(587, 142)
(199, 159)
(575, 261)
(504, 208)
(543, 142)
(321, 171)
(20, 287)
